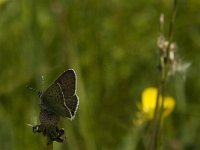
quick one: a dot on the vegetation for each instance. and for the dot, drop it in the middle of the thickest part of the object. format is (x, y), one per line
(112, 46)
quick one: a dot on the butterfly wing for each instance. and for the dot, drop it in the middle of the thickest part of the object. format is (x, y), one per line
(72, 104)
(60, 97)
(53, 100)
(67, 82)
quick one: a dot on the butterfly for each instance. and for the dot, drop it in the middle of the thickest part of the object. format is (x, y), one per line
(58, 100)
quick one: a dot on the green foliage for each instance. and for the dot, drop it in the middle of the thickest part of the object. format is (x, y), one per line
(112, 47)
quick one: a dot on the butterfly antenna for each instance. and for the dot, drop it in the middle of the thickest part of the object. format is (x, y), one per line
(33, 89)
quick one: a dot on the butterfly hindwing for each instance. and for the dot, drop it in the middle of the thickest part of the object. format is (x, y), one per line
(72, 104)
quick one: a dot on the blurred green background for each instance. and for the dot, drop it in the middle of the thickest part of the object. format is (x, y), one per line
(112, 46)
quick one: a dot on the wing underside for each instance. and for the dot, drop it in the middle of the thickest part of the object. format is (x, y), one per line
(60, 97)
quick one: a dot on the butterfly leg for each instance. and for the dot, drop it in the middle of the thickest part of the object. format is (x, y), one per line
(37, 128)
(59, 133)
(53, 132)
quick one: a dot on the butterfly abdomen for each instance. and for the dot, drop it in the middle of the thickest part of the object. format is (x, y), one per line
(48, 118)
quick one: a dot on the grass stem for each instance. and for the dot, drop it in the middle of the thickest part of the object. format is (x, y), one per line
(49, 144)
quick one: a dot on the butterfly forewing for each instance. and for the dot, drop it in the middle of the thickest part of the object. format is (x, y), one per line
(60, 97)
(67, 80)
(52, 100)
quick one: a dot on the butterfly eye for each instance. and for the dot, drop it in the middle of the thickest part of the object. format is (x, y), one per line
(39, 94)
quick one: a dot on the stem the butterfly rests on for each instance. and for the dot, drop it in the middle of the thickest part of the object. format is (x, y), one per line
(49, 144)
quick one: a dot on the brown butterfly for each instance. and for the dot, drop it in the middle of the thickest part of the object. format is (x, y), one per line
(59, 100)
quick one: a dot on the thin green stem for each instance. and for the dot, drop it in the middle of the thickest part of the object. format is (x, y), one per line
(165, 66)
(171, 26)
(49, 144)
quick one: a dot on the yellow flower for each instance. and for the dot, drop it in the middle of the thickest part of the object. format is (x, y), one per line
(148, 105)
